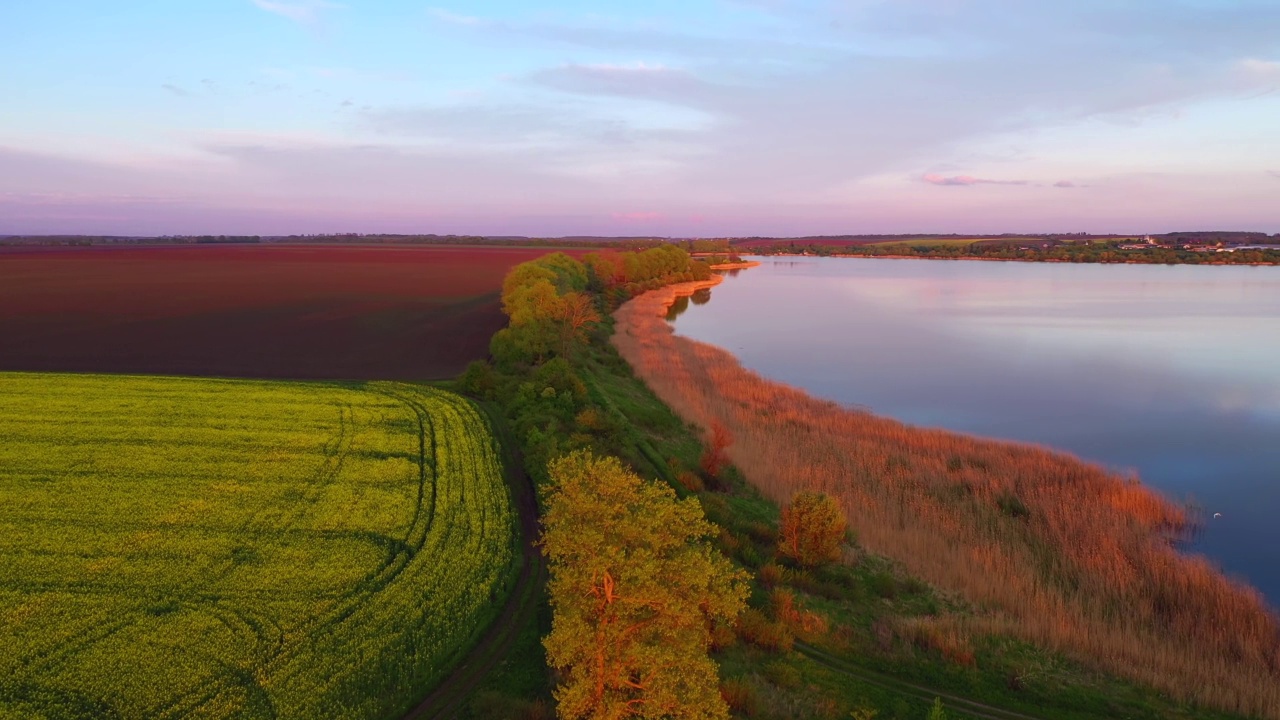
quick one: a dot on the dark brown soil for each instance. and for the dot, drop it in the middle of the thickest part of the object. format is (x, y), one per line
(335, 312)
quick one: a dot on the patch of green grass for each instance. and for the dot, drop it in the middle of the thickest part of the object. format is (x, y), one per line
(195, 547)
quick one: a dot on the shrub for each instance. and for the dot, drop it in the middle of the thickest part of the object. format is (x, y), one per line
(714, 458)
(722, 637)
(771, 574)
(762, 533)
(813, 528)
(795, 618)
(479, 380)
(783, 675)
(690, 481)
(756, 629)
(740, 696)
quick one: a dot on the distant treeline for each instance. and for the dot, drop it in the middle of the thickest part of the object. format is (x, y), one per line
(91, 240)
(1195, 247)
(622, 243)
(1161, 252)
(1231, 237)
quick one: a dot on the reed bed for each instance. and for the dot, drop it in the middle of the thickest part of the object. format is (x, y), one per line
(1045, 546)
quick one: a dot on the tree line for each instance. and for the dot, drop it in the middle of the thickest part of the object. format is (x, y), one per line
(1109, 251)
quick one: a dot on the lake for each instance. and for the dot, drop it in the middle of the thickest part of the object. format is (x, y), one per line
(1172, 372)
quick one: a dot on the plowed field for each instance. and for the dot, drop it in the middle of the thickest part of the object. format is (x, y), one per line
(267, 311)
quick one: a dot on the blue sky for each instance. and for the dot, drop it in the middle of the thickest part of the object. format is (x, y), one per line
(699, 117)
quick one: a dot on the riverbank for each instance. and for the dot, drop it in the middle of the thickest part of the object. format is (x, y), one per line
(997, 523)
(736, 266)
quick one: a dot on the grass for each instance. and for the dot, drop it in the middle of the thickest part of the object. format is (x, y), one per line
(931, 615)
(177, 547)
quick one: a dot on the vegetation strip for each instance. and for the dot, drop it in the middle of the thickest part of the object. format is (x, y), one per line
(920, 692)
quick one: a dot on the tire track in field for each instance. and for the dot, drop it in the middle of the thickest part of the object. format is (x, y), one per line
(446, 700)
(335, 451)
(399, 554)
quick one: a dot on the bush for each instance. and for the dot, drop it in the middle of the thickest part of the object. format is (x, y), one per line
(756, 629)
(813, 528)
(739, 696)
(690, 481)
(762, 533)
(722, 637)
(771, 574)
(783, 675)
(479, 380)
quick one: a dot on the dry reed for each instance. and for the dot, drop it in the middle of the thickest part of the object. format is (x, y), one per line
(1046, 547)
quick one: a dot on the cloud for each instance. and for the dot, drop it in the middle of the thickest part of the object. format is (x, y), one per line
(966, 180)
(174, 89)
(637, 80)
(1065, 184)
(303, 12)
(1274, 173)
(1265, 69)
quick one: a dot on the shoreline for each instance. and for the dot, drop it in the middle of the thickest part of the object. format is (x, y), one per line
(737, 266)
(855, 256)
(976, 516)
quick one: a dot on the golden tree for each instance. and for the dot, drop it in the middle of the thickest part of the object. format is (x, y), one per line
(635, 591)
(812, 529)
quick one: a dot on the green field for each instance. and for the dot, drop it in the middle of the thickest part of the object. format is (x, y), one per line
(212, 548)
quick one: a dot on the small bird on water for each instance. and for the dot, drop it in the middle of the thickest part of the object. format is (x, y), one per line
(1217, 515)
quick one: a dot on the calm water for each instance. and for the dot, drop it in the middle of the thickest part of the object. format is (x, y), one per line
(1172, 372)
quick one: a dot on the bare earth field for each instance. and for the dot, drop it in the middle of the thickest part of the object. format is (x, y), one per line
(341, 312)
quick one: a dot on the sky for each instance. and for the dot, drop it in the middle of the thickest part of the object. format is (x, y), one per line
(694, 118)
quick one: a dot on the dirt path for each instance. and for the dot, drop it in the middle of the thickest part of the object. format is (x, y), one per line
(446, 701)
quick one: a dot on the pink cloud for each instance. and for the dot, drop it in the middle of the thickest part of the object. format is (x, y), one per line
(1065, 184)
(966, 180)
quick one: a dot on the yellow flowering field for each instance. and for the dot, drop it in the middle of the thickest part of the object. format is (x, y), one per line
(174, 547)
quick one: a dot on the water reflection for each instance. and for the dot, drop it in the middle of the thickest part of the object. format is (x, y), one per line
(1166, 371)
(699, 297)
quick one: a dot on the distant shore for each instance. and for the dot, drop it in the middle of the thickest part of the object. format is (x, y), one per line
(737, 265)
(1060, 261)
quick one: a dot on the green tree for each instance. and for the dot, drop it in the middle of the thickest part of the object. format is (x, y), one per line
(635, 591)
(812, 529)
(936, 712)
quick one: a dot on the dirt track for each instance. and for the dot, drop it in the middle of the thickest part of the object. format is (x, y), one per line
(445, 702)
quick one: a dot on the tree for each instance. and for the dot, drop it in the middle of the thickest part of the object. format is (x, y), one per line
(635, 593)
(714, 458)
(577, 314)
(813, 527)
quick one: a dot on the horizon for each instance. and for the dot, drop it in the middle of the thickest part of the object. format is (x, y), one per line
(715, 118)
